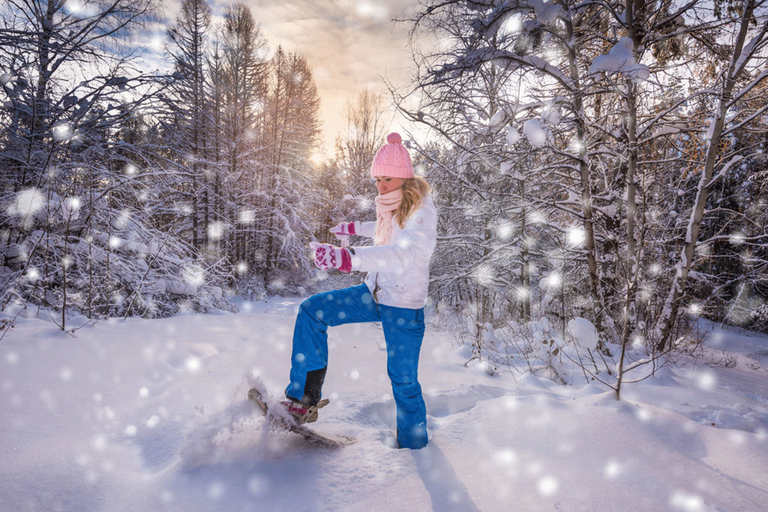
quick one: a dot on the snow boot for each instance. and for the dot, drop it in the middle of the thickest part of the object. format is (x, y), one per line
(302, 413)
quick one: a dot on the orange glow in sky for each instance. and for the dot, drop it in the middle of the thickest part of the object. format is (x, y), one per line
(349, 44)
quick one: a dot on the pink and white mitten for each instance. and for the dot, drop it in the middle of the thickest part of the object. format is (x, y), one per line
(342, 232)
(343, 229)
(329, 256)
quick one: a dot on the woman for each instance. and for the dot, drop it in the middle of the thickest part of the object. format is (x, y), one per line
(394, 293)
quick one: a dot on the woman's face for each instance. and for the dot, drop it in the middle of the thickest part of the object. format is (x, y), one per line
(385, 184)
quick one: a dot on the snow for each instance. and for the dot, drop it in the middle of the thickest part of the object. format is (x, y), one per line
(620, 60)
(70, 208)
(498, 119)
(513, 135)
(151, 415)
(585, 332)
(27, 203)
(536, 132)
(547, 13)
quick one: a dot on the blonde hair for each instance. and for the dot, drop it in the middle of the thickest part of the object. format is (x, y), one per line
(414, 191)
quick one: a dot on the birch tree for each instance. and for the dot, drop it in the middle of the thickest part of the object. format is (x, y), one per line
(743, 72)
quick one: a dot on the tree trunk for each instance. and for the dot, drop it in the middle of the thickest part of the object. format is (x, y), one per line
(676, 295)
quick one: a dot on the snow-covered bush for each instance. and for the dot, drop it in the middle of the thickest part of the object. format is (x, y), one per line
(759, 317)
(112, 266)
(568, 353)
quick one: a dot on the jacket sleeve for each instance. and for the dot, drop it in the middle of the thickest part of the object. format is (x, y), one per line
(415, 244)
(365, 229)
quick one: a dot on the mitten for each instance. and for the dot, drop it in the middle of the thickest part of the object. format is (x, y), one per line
(329, 256)
(342, 232)
(343, 229)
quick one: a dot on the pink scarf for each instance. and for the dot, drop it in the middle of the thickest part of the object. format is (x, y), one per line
(385, 208)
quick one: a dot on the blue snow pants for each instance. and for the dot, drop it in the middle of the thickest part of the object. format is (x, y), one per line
(403, 332)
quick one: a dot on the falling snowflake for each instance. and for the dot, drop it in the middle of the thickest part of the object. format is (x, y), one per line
(553, 280)
(575, 237)
(373, 11)
(258, 485)
(706, 380)
(536, 217)
(33, 275)
(247, 217)
(193, 364)
(216, 491)
(62, 132)
(26, 204)
(505, 230)
(216, 230)
(547, 486)
(122, 221)
(536, 133)
(736, 238)
(81, 8)
(611, 470)
(505, 457)
(484, 275)
(681, 500)
(577, 146)
(70, 208)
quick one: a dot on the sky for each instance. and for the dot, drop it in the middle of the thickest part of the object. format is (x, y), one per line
(349, 44)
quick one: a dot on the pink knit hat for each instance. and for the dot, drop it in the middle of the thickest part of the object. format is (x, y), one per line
(392, 159)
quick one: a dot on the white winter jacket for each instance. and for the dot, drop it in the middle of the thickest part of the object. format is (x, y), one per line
(398, 272)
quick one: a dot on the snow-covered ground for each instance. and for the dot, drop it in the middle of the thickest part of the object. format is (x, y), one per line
(143, 415)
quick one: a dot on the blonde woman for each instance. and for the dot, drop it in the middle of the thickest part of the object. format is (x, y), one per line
(394, 293)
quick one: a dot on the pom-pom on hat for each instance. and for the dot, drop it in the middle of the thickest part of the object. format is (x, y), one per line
(392, 159)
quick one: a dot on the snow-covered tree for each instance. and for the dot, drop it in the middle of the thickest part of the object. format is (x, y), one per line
(291, 133)
(608, 97)
(189, 106)
(733, 89)
(76, 151)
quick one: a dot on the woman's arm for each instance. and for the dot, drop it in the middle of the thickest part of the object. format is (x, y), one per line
(365, 228)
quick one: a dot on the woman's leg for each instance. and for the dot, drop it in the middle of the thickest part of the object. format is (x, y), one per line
(404, 332)
(309, 358)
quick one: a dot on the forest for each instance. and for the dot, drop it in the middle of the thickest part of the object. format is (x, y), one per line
(599, 168)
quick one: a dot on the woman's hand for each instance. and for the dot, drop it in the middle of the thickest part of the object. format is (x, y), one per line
(329, 256)
(342, 232)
